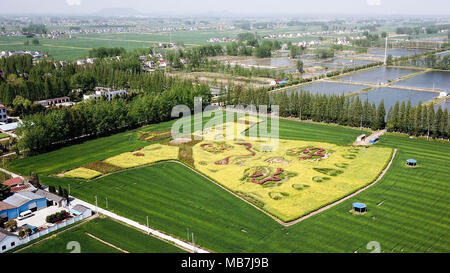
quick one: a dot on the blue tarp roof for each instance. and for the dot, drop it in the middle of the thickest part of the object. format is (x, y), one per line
(75, 212)
(359, 205)
(411, 161)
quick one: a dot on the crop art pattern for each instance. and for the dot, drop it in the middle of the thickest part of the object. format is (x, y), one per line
(293, 178)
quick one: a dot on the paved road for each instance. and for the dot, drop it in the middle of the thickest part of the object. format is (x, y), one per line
(13, 175)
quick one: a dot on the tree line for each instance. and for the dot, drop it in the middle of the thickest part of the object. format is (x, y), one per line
(95, 118)
(421, 120)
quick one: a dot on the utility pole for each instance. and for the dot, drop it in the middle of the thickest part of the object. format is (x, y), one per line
(193, 242)
(385, 50)
(148, 227)
(106, 202)
(96, 204)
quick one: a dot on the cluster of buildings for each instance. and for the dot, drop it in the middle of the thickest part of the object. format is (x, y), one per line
(24, 203)
(307, 34)
(35, 54)
(221, 40)
(86, 61)
(59, 102)
(105, 92)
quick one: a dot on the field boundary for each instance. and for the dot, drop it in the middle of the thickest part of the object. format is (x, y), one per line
(106, 243)
(380, 176)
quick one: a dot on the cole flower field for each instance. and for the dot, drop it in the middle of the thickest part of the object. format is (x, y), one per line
(292, 180)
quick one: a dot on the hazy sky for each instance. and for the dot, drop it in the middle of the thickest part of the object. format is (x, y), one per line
(233, 6)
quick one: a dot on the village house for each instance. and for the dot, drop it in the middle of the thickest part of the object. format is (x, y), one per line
(8, 240)
(52, 199)
(162, 63)
(81, 62)
(106, 93)
(63, 101)
(17, 184)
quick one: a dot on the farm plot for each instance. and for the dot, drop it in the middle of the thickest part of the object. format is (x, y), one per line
(293, 179)
(142, 156)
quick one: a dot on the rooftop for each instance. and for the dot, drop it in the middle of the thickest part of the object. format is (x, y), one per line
(13, 181)
(20, 198)
(49, 195)
(5, 206)
(359, 205)
(4, 234)
(79, 208)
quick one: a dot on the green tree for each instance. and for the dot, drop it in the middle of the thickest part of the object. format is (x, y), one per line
(300, 66)
(389, 60)
(11, 225)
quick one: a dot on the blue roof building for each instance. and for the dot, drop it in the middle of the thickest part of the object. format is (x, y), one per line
(359, 207)
(22, 201)
(411, 162)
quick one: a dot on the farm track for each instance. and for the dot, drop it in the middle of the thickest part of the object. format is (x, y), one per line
(106, 243)
(345, 198)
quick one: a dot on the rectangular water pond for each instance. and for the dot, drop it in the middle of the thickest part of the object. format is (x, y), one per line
(391, 95)
(445, 53)
(433, 79)
(379, 75)
(396, 52)
(329, 88)
(268, 62)
(342, 63)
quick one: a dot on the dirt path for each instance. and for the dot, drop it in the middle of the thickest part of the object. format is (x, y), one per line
(345, 198)
(106, 243)
(366, 141)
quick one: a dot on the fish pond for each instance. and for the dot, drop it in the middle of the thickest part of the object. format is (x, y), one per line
(391, 95)
(379, 75)
(430, 80)
(329, 88)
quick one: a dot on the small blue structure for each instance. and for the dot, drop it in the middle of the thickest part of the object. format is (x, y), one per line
(374, 140)
(359, 207)
(411, 162)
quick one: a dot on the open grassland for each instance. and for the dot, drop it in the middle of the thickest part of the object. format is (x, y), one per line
(408, 208)
(121, 236)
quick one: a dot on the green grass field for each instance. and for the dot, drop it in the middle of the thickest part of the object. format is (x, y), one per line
(119, 235)
(408, 208)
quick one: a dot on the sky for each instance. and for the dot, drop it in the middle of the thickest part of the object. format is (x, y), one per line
(217, 7)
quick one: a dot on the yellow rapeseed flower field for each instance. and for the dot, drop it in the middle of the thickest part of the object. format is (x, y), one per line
(311, 183)
(82, 173)
(147, 155)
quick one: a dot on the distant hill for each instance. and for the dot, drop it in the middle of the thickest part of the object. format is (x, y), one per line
(119, 12)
